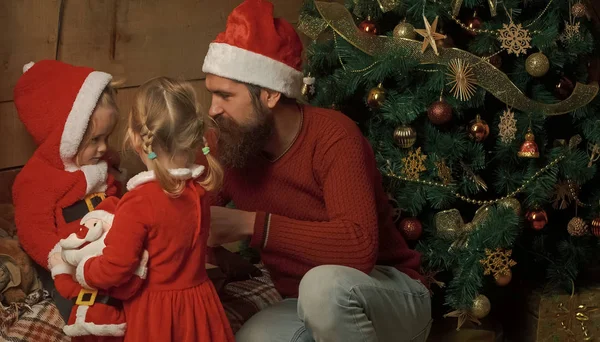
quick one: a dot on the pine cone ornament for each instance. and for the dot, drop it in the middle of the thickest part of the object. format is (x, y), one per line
(577, 227)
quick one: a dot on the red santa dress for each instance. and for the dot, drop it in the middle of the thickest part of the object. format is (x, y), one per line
(177, 302)
(51, 194)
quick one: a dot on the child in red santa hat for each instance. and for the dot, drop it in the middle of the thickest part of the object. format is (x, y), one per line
(70, 112)
(166, 212)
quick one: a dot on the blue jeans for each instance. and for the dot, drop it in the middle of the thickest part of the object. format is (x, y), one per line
(338, 303)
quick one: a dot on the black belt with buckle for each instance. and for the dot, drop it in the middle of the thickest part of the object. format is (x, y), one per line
(80, 208)
(102, 299)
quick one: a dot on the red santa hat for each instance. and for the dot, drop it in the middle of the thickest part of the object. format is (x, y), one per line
(55, 101)
(258, 49)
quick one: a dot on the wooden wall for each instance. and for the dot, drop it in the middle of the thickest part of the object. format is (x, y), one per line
(132, 39)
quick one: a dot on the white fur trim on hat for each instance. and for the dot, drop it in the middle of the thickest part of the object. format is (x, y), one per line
(249, 67)
(80, 114)
(83, 328)
(101, 215)
(95, 177)
(79, 273)
(183, 173)
(27, 66)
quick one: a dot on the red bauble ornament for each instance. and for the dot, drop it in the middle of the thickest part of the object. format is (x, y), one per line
(538, 218)
(473, 23)
(439, 112)
(445, 43)
(496, 61)
(368, 26)
(502, 279)
(564, 88)
(411, 228)
(596, 227)
(479, 129)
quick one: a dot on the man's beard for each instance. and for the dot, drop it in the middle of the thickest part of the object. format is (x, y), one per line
(237, 144)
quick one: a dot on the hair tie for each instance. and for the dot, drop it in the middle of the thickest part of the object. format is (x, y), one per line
(206, 150)
(151, 155)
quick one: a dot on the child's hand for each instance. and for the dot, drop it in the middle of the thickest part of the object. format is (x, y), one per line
(55, 259)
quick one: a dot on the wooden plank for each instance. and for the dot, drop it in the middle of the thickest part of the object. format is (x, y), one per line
(139, 39)
(7, 179)
(29, 33)
(87, 35)
(16, 145)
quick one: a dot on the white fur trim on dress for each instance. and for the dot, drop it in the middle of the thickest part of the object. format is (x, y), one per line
(79, 117)
(95, 177)
(62, 269)
(249, 67)
(193, 172)
(101, 215)
(83, 328)
(79, 273)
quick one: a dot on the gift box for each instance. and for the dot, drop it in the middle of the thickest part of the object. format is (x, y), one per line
(570, 317)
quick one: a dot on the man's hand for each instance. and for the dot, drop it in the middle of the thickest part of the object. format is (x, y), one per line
(229, 225)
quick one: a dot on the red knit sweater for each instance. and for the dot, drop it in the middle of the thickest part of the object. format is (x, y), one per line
(321, 203)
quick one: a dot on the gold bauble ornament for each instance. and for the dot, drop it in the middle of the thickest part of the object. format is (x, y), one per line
(537, 64)
(577, 227)
(376, 96)
(512, 203)
(579, 10)
(405, 30)
(502, 279)
(481, 306)
(405, 136)
(479, 129)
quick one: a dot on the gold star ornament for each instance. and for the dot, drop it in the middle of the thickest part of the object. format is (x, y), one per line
(429, 35)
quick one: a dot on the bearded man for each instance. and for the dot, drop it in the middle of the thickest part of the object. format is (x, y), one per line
(309, 196)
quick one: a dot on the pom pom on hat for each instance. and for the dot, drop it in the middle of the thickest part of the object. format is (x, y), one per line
(258, 49)
(27, 66)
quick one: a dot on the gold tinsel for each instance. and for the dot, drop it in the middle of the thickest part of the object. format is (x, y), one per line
(488, 77)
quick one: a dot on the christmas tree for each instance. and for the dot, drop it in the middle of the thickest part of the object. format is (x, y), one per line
(485, 122)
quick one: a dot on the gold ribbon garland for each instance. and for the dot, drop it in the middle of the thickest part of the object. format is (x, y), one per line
(488, 77)
(311, 26)
(388, 5)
